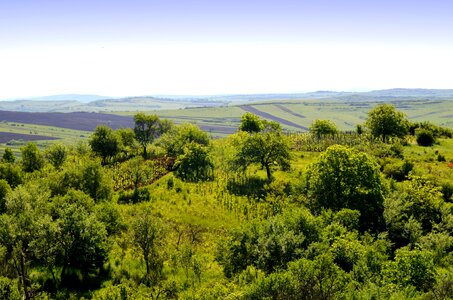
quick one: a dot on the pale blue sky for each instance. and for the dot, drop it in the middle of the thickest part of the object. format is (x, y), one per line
(120, 48)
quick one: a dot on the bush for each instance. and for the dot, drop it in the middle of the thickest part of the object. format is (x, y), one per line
(425, 137)
(398, 171)
(138, 195)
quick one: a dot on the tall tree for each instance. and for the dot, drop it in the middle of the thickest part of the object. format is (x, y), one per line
(346, 178)
(385, 121)
(149, 127)
(104, 142)
(32, 158)
(267, 148)
(323, 127)
(148, 236)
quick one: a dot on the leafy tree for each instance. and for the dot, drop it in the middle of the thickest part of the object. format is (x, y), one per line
(104, 142)
(148, 236)
(148, 128)
(12, 174)
(94, 182)
(412, 268)
(346, 178)
(18, 231)
(4, 190)
(32, 158)
(385, 121)
(323, 127)
(194, 164)
(268, 148)
(251, 123)
(8, 156)
(179, 137)
(8, 289)
(57, 154)
(83, 242)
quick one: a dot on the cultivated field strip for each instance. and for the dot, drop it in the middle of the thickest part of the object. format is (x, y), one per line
(253, 110)
(8, 136)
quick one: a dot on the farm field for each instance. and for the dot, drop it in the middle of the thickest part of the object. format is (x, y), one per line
(298, 115)
(295, 116)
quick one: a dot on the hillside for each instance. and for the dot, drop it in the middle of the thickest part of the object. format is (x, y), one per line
(256, 215)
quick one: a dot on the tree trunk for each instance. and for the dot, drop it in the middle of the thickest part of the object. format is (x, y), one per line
(268, 172)
(144, 152)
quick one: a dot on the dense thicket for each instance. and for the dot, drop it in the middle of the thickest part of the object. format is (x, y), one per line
(161, 211)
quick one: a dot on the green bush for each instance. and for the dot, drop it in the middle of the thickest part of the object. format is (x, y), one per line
(425, 137)
(398, 171)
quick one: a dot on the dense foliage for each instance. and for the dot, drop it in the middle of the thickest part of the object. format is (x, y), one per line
(162, 211)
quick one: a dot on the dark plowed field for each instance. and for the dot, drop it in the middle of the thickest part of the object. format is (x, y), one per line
(78, 120)
(86, 121)
(263, 114)
(5, 137)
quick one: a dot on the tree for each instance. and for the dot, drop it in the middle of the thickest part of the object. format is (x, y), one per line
(346, 178)
(148, 236)
(194, 164)
(250, 123)
(267, 148)
(323, 127)
(57, 154)
(179, 137)
(385, 121)
(148, 128)
(104, 142)
(5, 189)
(32, 158)
(8, 156)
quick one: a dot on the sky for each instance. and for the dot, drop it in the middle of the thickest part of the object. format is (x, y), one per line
(175, 47)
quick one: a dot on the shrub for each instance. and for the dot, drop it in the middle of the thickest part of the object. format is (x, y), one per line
(424, 137)
(398, 171)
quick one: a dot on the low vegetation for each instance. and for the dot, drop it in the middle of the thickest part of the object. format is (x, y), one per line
(162, 211)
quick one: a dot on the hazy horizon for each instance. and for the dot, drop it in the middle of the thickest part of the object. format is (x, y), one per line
(135, 48)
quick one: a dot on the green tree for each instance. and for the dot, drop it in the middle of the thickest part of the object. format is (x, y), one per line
(180, 136)
(323, 127)
(32, 158)
(104, 142)
(346, 178)
(8, 156)
(148, 128)
(148, 237)
(267, 148)
(94, 182)
(18, 231)
(5, 189)
(385, 121)
(11, 173)
(194, 164)
(57, 154)
(251, 123)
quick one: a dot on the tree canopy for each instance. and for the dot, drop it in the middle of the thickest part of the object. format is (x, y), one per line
(149, 127)
(385, 121)
(346, 178)
(323, 127)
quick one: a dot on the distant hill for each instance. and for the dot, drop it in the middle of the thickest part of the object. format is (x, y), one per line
(69, 97)
(95, 103)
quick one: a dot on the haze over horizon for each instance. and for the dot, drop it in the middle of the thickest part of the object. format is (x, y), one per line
(176, 47)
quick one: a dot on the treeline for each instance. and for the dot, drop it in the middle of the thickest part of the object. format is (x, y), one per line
(161, 211)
